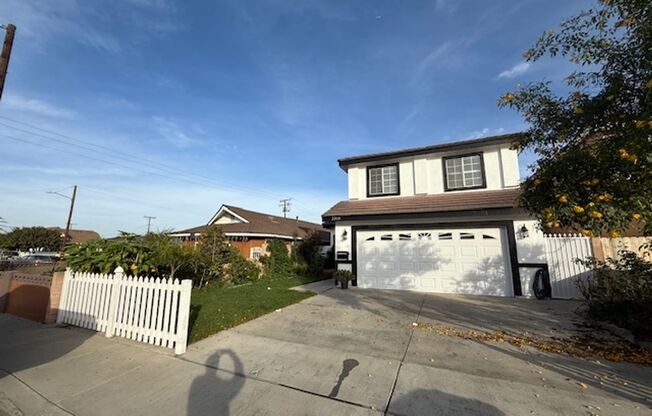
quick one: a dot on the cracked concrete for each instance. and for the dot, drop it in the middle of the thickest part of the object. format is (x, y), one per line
(340, 352)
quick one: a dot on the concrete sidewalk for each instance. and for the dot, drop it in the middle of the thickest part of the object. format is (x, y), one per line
(338, 353)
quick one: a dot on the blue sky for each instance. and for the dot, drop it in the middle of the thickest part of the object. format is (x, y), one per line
(257, 99)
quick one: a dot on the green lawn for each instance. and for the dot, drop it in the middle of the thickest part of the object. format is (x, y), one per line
(214, 309)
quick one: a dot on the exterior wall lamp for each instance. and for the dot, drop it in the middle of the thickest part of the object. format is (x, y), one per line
(344, 235)
(523, 232)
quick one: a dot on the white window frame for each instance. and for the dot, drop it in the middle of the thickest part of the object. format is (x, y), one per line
(255, 250)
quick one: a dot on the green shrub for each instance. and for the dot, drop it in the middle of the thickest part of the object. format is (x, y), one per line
(278, 262)
(102, 256)
(241, 270)
(309, 252)
(343, 276)
(620, 291)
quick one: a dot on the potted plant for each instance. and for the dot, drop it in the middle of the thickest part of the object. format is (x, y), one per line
(344, 277)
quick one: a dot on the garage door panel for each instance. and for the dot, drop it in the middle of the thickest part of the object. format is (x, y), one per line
(472, 261)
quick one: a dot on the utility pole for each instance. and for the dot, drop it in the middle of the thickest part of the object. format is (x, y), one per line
(149, 221)
(285, 206)
(72, 207)
(6, 53)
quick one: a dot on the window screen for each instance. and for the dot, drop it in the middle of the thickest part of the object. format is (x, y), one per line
(464, 172)
(383, 180)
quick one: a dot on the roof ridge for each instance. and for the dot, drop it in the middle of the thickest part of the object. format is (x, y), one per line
(271, 215)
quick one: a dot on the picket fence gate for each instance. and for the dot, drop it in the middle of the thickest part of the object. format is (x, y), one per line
(562, 252)
(144, 309)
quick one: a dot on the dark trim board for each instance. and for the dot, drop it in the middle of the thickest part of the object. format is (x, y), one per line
(398, 179)
(487, 212)
(507, 225)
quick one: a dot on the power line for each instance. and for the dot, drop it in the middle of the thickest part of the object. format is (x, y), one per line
(113, 153)
(140, 160)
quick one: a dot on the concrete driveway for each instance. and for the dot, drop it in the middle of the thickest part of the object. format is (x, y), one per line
(339, 353)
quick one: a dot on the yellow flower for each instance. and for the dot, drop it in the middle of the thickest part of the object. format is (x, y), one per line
(578, 94)
(595, 181)
(595, 214)
(563, 199)
(586, 233)
(550, 224)
(605, 197)
(591, 204)
(578, 110)
(649, 84)
(623, 153)
(508, 97)
(537, 182)
(133, 267)
(578, 209)
(547, 213)
(636, 216)
(649, 123)
(632, 158)
(614, 234)
(640, 124)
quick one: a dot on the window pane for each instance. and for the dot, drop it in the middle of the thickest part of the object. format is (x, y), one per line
(383, 180)
(464, 172)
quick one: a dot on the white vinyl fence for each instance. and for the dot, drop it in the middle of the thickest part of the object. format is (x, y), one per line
(144, 309)
(562, 250)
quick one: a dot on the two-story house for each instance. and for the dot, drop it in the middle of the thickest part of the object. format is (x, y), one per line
(440, 218)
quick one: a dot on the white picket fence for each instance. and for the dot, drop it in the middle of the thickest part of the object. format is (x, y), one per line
(144, 309)
(562, 251)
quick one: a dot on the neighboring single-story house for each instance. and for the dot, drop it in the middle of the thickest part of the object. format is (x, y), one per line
(439, 218)
(78, 236)
(248, 231)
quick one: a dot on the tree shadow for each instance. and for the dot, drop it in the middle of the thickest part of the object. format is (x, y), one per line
(212, 392)
(192, 319)
(422, 402)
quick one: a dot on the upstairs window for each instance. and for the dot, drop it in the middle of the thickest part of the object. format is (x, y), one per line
(464, 172)
(382, 180)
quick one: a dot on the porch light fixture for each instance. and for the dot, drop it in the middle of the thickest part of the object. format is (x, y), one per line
(523, 232)
(344, 235)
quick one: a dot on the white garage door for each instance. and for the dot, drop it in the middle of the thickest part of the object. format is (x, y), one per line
(472, 261)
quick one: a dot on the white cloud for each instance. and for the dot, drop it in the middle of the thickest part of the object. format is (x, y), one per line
(518, 69)
(485, 132)
(174, 133)
(33, 105)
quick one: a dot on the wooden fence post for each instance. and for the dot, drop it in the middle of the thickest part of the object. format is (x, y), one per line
(598, 253)
(184, 315)
(116, 285)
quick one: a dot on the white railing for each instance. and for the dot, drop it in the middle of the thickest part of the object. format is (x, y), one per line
(144, 309)
(562, 251)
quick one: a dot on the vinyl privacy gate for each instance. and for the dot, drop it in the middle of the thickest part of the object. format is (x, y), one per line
(144, 309)
(562, 253)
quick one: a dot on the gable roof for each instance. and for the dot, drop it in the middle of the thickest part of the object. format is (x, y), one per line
(426, 204)
(458, 145)
(79, 236)
(262, 224)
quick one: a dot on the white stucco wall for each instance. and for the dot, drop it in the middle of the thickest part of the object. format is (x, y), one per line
(423, 174)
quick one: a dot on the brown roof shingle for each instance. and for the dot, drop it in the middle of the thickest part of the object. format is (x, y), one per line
(419, 204)
(261, 223)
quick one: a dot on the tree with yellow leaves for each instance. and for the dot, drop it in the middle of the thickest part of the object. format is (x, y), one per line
(594, 144)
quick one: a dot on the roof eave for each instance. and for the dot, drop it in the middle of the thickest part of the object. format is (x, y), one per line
(344, 163)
